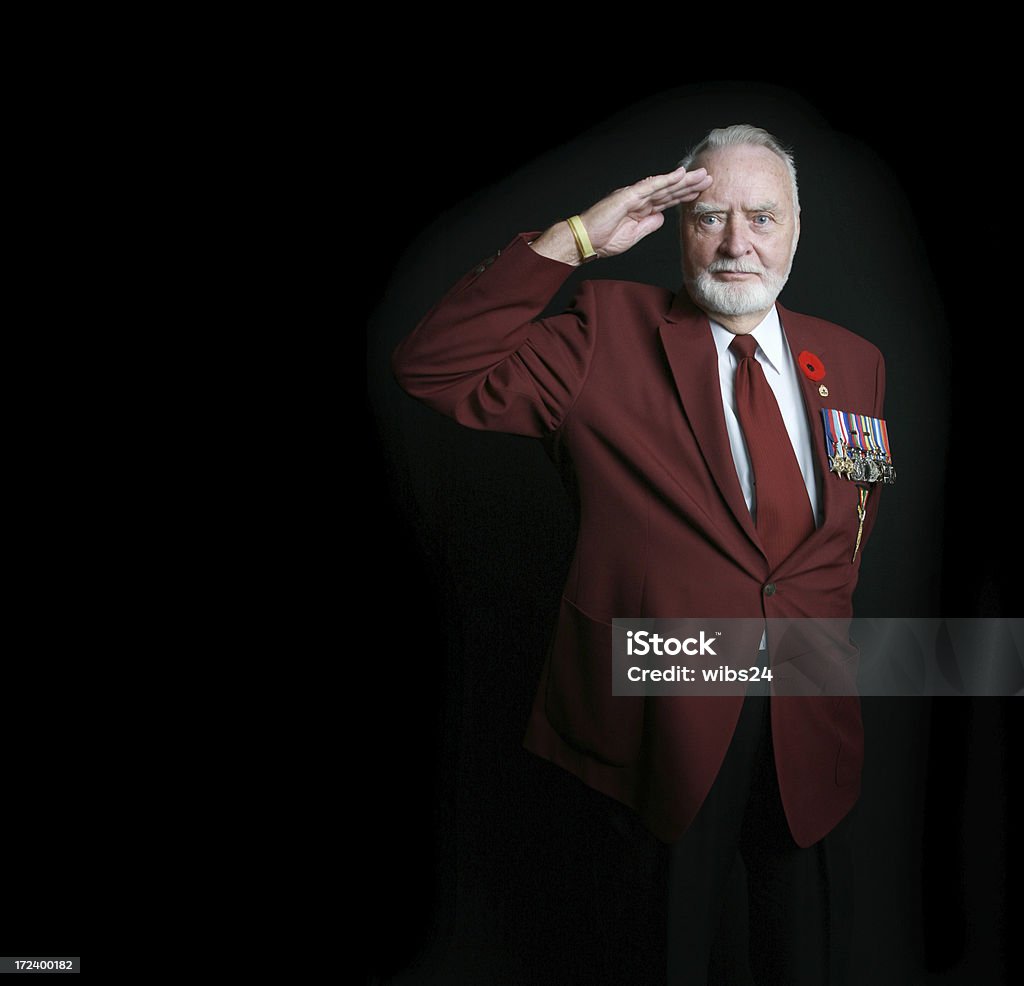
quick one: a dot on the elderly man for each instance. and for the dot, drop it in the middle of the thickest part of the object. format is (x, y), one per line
(693, 432)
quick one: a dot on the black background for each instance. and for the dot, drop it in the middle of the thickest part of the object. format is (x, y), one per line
(475, 850)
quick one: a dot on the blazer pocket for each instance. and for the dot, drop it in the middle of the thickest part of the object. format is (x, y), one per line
(579, 703)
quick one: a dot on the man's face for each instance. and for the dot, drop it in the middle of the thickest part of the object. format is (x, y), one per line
(740, 235)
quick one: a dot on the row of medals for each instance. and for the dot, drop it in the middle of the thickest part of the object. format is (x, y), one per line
(860, 466)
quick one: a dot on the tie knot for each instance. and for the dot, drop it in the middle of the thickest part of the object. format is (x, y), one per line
(743, 346)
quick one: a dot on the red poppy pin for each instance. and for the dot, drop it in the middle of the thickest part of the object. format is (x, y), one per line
(811, 365)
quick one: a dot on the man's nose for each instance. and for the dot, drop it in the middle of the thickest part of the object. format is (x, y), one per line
(735, 241)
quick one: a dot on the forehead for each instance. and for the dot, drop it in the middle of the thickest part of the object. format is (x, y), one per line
(745, 177)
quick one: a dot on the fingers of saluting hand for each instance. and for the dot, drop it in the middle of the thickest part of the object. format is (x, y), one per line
(661, 192)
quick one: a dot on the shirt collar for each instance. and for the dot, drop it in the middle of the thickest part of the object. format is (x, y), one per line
(768, 335)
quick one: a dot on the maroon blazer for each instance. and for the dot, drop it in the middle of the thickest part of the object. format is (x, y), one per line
(624, 388)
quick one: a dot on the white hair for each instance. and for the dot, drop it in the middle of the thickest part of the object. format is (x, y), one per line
(740, 135)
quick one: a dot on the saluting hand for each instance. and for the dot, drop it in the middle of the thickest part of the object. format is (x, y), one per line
(621, 220)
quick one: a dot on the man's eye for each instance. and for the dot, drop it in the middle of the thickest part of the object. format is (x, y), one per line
(762, 220)
(709, 220)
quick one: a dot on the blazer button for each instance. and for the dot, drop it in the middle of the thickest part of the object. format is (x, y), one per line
(769, 589)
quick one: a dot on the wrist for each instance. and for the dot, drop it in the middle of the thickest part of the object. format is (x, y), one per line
(558, 243)
(584, 247)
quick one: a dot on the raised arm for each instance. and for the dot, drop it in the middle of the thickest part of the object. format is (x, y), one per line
(485, 358)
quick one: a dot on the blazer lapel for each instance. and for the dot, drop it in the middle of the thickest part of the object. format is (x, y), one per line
(801, 337)
(693, 359)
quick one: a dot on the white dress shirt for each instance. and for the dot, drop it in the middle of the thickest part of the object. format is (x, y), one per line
(780, 370)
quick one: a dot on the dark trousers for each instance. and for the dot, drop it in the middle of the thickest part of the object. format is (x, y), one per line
(746, 905)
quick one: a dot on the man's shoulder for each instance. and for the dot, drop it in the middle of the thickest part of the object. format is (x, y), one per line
(631, 294)
(829, 334)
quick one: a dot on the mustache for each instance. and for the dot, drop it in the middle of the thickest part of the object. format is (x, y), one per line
(734, 267)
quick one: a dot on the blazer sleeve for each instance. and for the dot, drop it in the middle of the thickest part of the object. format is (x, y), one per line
(484, 357)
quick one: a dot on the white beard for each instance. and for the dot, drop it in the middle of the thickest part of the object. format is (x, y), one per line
(735, 297)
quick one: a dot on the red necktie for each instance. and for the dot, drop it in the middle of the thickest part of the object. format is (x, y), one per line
(783, 513)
